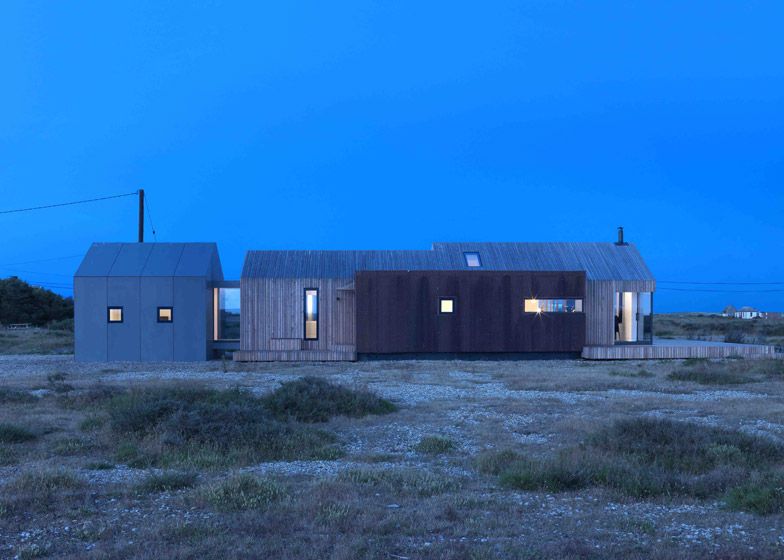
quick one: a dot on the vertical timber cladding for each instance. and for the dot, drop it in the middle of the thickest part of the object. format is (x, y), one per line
(398, 312)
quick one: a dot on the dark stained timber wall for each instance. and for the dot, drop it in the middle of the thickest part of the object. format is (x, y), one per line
(399, 312)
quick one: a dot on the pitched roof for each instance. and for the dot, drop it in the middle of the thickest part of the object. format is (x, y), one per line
(152, 259)
(600, 261)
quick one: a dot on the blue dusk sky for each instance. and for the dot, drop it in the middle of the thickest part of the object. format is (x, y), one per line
(382, 125)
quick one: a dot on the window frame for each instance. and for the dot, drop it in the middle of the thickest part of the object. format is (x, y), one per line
(171, 314)
(478, 259)
(109, 309)
(305, 313)
(447, 298)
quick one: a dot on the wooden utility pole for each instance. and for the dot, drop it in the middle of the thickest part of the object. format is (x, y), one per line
(141, 215)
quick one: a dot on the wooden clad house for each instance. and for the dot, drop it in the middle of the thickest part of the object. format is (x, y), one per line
(456, 298)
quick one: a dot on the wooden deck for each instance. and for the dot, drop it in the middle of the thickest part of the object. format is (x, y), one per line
(665, 349)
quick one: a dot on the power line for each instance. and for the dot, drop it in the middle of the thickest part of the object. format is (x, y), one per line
(67, 203)
(720, 291)
(721, 283)
(44, 260)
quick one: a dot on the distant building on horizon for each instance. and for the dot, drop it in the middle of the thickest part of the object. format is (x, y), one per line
(745, 312)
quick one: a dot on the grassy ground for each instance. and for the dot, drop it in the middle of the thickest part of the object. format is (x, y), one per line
(536, 459)
(36, 341)
(715, 327)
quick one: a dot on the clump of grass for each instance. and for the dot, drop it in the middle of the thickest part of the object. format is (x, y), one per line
(92, 423)
(9, 395)
(11, 433)
(71, 446)
(728, 372)
(243, 492)
(7, 456)
(435, 445)
(411, 482)
(763, 497)
(57, 384)
(179, 426)
(496, 462)
(167, 482)
(705, 375)
(99, 466)
(40, 490)
(312, 399)
(46, 481)
(638, 373)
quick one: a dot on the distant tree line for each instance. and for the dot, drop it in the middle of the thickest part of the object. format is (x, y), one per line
(22, 303)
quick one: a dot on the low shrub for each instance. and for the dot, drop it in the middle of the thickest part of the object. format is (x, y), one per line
(434, 445)
(167, 482)
(10, 433)
(208, 428)
(243, 492)
(311, 399)
(644, 458)
(684, 446)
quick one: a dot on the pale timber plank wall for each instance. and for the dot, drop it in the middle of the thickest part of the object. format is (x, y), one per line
(273, 320)
(599, 307)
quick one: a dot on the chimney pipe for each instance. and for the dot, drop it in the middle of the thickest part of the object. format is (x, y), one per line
(620, 236)
(141, 215)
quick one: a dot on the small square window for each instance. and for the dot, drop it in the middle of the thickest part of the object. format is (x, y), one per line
(115, 315)
(447, 305)
(165, 314)
(472, 260)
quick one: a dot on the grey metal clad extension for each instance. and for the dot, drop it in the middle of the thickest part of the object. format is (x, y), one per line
(600, 261)
(140, 278)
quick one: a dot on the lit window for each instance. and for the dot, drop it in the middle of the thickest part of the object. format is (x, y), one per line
(447, 305)
(165, 315)
(553, 305)
(115, 314)
(472, 260)
(311, 314)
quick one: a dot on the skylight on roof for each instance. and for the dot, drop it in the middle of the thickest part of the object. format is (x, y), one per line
(472, 260)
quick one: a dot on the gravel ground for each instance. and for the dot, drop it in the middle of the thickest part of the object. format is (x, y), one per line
(535, 407)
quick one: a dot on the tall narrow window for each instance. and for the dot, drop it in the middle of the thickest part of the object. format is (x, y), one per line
(115, 314)
(472, 260)
(311, 314)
